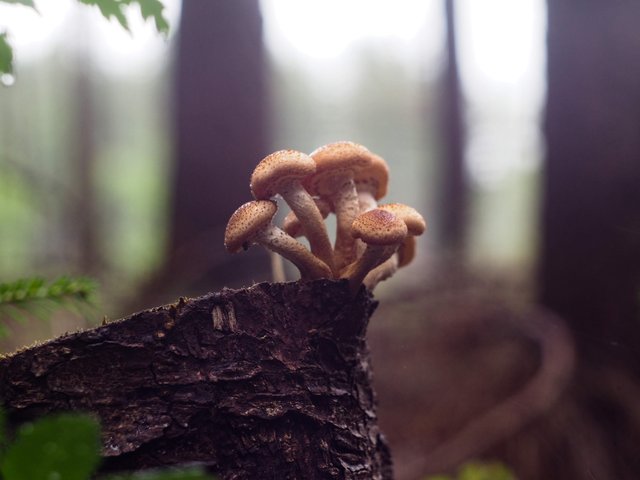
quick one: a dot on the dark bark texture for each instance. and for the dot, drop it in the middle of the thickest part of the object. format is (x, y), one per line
(272, 381)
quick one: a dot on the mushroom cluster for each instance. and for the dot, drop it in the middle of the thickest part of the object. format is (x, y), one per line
(342, 178)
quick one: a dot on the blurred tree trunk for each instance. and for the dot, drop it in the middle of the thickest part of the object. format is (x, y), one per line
(453, 196)
(590, 262)
(82, 201)
(221, 134)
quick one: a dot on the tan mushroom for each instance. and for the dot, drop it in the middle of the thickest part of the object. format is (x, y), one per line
(251, 223)
(336, 165)
(371, 183)
(416, 225)
(281, 173)
(292, 225)
(404, 256)
(383, 233)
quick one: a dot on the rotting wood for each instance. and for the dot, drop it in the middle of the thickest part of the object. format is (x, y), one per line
(272, 381)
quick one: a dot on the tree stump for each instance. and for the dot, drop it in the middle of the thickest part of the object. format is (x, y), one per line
(271, 381)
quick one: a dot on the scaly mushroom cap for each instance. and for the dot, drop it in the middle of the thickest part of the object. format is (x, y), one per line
(277, 170)
(379, 227)
(416, 224)
(375, 177)
(246, 221)
(336, 159)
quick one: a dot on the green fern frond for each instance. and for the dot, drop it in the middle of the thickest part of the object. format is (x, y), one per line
(29, 289)
(35, 297)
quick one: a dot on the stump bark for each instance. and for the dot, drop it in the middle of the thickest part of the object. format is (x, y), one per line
(272, 381)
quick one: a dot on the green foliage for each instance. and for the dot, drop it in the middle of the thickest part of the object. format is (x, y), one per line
(189, 474)
(6, 55)
(479, 471)
(36, 296)
(66, 447)
(149, 9)
(27, 3)
(29, 289)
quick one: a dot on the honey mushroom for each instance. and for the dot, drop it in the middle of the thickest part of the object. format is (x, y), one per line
(416, 226)
(403, 257)
(383, 232)
(292, 225)
(252, 223)
(281, 173)
(336, 166)
(371, 183)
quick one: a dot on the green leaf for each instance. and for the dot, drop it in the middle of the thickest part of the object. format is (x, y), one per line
(153, 9)
(182, 474)
(26, 3)
(6, 55)
(109, 9)
(485, 471)
(149, 9)
(64, 446)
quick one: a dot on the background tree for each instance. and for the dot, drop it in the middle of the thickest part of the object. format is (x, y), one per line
(454, 189)
(590, 251)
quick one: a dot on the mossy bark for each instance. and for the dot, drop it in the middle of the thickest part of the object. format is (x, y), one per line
(272, 381)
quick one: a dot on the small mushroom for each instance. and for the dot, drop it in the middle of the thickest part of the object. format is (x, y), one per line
(405, 254)
(292, 225)
(281, 173)
(371, 183)
(251, 223)
(416, 225)
(336, 166)
(383, 233)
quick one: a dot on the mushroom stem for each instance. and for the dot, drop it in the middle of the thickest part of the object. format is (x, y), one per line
(373, 256)
(277, 268)
(278, 241)
(385, 270)
(366, 200)
(305, 208)
(345, 203)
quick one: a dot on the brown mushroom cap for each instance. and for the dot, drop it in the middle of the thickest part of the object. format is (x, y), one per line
(379, 227)
(246, 221)
(407, 251)
(375, 176)
(336, 159)
(416, 224)
(278, 169)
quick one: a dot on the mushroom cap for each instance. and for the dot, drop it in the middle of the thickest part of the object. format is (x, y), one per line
(333, 160)
(374, 178)
(379, 227)
(407, 251)
(275, 171)
(246, 221)
(292, 225)
(416, 224)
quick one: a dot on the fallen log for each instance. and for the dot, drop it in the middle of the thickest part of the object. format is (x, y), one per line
(271, 381)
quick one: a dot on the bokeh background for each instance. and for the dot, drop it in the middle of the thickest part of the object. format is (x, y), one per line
(512, 126)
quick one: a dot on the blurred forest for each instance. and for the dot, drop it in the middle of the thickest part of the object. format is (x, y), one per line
(514, 335)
